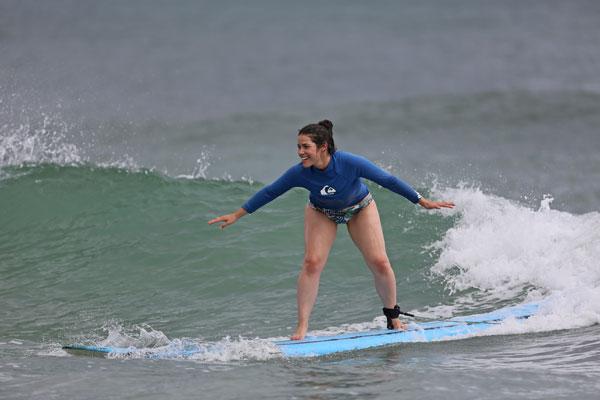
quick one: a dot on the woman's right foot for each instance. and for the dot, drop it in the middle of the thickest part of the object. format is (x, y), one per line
(300, 332)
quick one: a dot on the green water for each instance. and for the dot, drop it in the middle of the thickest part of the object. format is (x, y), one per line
(88, 245)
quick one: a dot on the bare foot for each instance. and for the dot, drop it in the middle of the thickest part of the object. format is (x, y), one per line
(300, 332)
(399, 325)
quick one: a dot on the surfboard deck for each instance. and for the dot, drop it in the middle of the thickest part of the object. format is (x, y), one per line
(311, 346)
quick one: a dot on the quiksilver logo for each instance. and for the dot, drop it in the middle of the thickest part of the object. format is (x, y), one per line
(327, 191)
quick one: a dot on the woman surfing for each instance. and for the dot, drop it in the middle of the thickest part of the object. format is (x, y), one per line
(337, 196)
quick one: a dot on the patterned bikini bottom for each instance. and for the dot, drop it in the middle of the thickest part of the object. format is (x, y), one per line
(343, 215)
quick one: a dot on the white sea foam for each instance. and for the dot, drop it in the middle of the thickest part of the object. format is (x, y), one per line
(146, 342)
(137, 336)
(377, 323)
(43, 140)
(228, 349)
(509, 252)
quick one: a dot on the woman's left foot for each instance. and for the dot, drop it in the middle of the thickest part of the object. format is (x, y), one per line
(399, 325)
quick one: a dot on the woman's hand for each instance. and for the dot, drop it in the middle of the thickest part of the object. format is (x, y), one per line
(428, 204)
(228, 219)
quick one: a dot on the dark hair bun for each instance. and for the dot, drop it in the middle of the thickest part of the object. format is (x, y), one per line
(327, 124)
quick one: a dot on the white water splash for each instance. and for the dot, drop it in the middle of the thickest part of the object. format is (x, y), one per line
(142, 341)
(37, 141)
(509, 252)
(137, 336)
(49, 139)
(203, 162)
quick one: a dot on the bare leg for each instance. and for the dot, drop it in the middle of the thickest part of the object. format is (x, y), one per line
(365, 230)
(319, 234)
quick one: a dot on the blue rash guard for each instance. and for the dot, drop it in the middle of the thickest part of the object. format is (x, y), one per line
(336, 187)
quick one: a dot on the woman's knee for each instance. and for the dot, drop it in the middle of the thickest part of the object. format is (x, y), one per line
(313, 264)
(380, 265)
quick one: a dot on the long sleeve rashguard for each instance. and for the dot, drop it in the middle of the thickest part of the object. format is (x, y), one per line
(337, 186)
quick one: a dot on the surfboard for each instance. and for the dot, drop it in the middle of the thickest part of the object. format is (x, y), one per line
(312, 346)
(462, 327)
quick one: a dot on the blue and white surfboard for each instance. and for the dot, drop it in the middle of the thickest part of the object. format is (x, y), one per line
(311, 346)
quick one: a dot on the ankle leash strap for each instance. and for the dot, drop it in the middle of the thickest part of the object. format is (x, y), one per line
(393, 313)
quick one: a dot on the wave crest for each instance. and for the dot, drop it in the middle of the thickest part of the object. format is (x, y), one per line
(505, 252)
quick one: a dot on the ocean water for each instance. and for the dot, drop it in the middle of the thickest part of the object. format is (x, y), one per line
(126, 126)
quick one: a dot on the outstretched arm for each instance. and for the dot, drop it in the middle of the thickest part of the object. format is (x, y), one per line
(369, 170)
(268, 193)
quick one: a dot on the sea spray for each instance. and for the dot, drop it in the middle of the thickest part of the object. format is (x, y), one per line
(507, 252)
(36, 141)
(142, 341)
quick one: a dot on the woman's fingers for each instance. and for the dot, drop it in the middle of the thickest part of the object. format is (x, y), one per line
(446, 204)
(218, 219)
(442, 204)
(436, 205)
(227, 219)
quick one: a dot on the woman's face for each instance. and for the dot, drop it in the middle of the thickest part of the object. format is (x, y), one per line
(309, 153)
